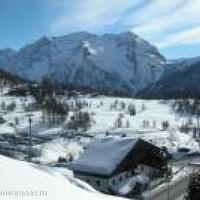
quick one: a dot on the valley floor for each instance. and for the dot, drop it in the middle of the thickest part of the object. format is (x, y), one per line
(109, 116)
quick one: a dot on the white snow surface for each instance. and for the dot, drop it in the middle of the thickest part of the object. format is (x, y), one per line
(59, 147)
(157, 111)
(103, 120)
(127, 186)
(19, 179)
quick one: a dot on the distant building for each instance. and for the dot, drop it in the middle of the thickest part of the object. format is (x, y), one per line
(19, 90)
(109, 162)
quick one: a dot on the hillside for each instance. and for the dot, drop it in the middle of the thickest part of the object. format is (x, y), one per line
(179, 80)
(106, 115)
(33, 181)
(7, 77)
(54, 145)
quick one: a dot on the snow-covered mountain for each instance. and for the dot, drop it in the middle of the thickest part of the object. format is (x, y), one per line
(181, 78)
(5, 56)
(122, 62)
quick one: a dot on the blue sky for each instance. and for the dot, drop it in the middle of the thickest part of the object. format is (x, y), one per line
(172, 25)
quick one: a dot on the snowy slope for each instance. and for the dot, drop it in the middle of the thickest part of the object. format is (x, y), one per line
(103, 119)
(154, 111)
(6, 55)
(124, 61)
(20, 180)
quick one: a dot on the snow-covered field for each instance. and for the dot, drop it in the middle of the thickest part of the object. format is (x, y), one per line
(104, 112)
(153, 111)
(109, 116)
(21, 180)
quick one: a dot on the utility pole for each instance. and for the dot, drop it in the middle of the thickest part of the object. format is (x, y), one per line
(168, 190)
(198, 123)
(30, 135)
(168, 181)
(198, 135)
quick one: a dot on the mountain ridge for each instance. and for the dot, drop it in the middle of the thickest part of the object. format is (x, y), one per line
(180, 79)
(122, 62)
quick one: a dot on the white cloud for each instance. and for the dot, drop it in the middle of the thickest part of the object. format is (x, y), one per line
(163, 22)
(173, 28)
(90, 14)
(191, 36)
(153, 11)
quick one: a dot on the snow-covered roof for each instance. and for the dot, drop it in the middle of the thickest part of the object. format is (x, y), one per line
(103, 155)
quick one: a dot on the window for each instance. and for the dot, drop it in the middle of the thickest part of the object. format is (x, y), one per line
(113, 182)
(120, 179)
(98, 183)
